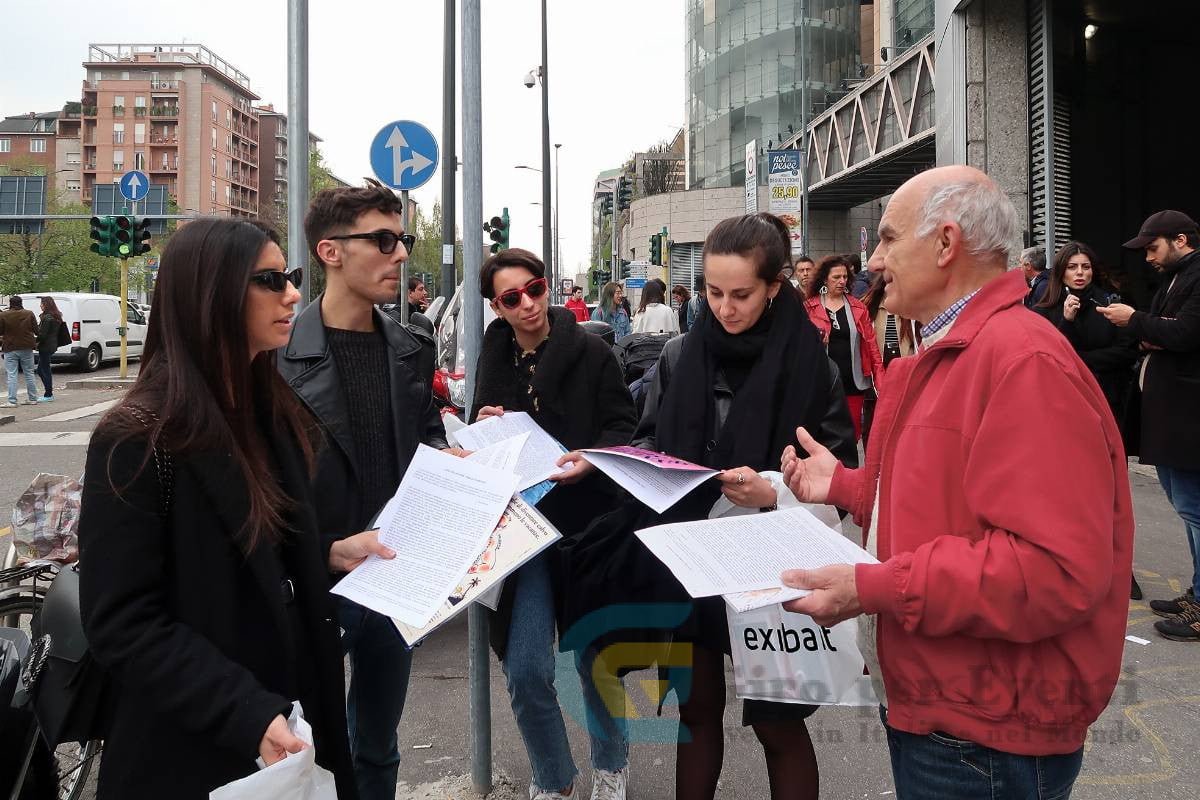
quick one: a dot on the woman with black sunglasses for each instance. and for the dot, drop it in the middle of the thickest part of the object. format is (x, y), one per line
(535, 358)
(206, 591)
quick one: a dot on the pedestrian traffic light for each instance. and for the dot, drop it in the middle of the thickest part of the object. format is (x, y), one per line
(656, 249)
(104, 231)
(499, 228)
(624, 193)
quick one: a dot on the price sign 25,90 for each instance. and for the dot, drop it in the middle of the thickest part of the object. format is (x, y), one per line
(784, 192)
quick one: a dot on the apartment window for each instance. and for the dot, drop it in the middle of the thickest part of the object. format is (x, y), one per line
(118, 161)
(227, 195)
(119, 100)
(73, 158)
(5, 145)
(214, 110)
(37, 145)
(139, 160)
(139, 133)
(118, 133)
(212, 194)
(228, 118)
(214, 165)
(165, 161)
(214, 138)
(229, 168)
(139, 102)
(72, 185)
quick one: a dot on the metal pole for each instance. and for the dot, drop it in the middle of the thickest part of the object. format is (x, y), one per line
(616, 215)
(402, 291)
(124, 318)
(547, 231)
(479, 697)
(557, 238)
(297, 130)
(804, 226)
(449, 158)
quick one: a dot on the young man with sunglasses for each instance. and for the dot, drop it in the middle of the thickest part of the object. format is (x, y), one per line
(368, 382)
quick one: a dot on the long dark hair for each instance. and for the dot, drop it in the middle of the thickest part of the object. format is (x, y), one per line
(817, 281)
(50, 307)
(608, 298)
(1055, 286)
(653, 292)
(760, 237)
(196, 374)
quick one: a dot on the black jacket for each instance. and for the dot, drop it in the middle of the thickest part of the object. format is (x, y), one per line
(1108, 351)
(1170, 433)
(1037, 289)
(583, 402)
(836, 433)
(307, 364)
(195, 633)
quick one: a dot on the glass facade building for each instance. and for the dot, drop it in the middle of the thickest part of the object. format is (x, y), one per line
(744, 76)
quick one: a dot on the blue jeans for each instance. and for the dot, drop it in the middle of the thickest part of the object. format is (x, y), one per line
(380, 663)
(529, 668)
(1183, 492)
(23, 360)
(44, 372)
(938, 765)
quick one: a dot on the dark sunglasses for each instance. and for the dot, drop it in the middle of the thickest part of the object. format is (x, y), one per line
(384, 240)
(512, 298)
(277, 281)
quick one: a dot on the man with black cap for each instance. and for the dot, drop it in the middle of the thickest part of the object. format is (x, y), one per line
(1170, 390)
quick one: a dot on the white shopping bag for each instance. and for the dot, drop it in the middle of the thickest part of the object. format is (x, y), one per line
(788, 658)
(296, 777)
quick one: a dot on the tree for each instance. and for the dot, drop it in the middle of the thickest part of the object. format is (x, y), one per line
(57, 259)
(276, 213)
(426, 255)
(660, 170)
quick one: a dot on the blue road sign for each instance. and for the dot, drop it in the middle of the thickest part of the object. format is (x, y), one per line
(404, 155)
(635, 283)
(134, 185)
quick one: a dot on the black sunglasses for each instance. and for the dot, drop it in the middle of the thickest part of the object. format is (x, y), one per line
(277, 281)
(512, 298)
(384, 240)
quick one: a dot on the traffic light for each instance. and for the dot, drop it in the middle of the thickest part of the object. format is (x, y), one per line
(124, 233)
(656, 249)
(624, 193)
(624, 270)
(141, 234)
(606, 205)
(104, 231)
(499, 228)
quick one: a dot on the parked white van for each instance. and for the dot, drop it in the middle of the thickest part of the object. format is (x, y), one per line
(93, 320)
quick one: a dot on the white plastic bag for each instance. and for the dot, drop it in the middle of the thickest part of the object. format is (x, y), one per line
(788, 658)
(295, 777)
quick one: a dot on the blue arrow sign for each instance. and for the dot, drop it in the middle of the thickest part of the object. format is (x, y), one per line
(404, 155)
(134, 185)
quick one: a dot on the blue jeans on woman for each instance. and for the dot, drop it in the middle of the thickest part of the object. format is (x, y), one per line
(529, 668)
(940, 765)
(44, 372)
(1182, 487)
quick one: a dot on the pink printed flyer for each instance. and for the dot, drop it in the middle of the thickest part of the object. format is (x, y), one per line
(660, 460)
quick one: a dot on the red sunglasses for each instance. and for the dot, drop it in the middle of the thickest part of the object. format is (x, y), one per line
(512, 298)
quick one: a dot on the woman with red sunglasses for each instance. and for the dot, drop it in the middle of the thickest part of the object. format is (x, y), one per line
(535, 358)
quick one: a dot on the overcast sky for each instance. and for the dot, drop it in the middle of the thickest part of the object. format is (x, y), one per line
(616, 81)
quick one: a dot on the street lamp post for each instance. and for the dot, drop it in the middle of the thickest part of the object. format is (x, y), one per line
(557, 232)
(542, 73)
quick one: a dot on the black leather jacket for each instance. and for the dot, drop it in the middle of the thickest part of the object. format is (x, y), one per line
(837, 432)
(309, 368)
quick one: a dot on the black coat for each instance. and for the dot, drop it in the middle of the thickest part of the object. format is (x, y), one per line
(196, 634)
(1108, 351)
(583, 402)
(1169, 432)
(308, 365)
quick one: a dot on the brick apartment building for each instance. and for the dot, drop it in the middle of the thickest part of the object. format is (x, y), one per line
(45, 143)
(179, 113)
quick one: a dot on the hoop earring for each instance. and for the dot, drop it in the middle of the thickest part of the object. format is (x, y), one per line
(770, 300)
(824, 290)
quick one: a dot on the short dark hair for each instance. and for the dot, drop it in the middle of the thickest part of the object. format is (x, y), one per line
(575, 289)
(761, 237)
(414, 282)
(806, 258)
(16, 302)
(335, 210)
(1193, 238)
(512, 257)
(822, 273)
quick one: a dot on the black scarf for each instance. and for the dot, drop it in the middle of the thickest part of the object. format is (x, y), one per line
(778, 373)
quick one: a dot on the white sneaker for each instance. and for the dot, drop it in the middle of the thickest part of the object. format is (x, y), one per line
(609, 785)
(9, 404)
(29, 401)
(538, 793)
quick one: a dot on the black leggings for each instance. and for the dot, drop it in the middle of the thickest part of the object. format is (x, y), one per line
(43, 372)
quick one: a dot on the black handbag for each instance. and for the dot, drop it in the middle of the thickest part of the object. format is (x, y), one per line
(72, 694)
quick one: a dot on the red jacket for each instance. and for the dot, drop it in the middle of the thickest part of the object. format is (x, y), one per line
(868, 346)
(579, 309)
(1005, 533)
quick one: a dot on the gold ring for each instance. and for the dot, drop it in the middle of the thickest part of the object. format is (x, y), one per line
(741, 479)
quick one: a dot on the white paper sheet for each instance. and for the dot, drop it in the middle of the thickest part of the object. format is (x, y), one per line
(438, 523)
(656, 485)
(504, 456)
(537, 456)
(746, 553)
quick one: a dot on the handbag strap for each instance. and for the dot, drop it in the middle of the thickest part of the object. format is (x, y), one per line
(162, 458)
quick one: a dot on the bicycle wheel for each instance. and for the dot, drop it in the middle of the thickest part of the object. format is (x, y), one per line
(18, 609)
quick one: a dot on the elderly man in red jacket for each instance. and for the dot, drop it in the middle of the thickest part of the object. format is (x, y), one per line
(1000, 607)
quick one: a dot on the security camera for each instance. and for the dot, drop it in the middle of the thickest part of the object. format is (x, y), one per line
(530, 79)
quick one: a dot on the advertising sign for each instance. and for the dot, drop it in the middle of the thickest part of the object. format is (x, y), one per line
(752, 176)
(783, 182)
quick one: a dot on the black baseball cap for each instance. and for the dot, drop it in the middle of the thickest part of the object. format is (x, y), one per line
(1162, 223)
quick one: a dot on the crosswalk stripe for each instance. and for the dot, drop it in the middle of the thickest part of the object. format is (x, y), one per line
(48, 439)
(79, 413)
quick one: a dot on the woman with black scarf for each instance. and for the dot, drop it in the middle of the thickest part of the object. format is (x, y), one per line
(730, 395)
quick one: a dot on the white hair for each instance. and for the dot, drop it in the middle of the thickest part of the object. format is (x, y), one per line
(984, 213)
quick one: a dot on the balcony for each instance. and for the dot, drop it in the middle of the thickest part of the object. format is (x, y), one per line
(139, 111)
(118, 111)
(164, 112)
(88, 111)
(159, 139)
(89, 166)
(165, 166)
(164, 86)
(119, 167)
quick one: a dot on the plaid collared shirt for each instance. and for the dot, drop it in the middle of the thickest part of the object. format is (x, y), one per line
(946, 317)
